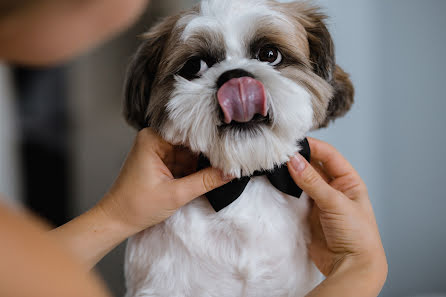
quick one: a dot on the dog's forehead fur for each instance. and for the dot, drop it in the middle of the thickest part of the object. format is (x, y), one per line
(224, 36)
(226, 30)
(241, 22)
(205, 30)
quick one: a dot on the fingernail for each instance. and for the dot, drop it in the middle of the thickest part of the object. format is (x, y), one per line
(298, 163)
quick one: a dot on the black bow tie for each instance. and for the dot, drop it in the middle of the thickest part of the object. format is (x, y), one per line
(279, 177)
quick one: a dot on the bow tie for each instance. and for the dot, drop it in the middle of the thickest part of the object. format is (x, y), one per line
(279, 177)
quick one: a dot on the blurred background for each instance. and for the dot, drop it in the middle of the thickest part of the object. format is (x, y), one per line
(63, 139)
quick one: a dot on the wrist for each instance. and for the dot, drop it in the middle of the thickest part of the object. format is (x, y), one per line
(119, 214)
(111, 215)
(91, 235)
(371, 267)
(354, 275)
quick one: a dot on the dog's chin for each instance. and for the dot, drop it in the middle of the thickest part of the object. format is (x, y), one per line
(241, 149)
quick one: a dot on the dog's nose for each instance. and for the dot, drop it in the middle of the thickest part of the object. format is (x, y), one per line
(235, 73)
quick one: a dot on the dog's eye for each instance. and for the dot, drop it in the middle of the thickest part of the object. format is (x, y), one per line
(193, 68)
(270, 55)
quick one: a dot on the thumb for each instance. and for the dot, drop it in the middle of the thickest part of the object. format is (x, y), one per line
(309, 180)
(198, 184)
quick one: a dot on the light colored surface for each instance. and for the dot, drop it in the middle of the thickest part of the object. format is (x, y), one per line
(9, 189)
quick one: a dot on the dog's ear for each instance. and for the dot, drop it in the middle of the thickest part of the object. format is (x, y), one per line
(343, 97)
(322, 56)
(142, 73)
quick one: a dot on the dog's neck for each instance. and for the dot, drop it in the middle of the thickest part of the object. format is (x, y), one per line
(279, 178)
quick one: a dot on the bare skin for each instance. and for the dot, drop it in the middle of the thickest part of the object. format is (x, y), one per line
(346, 245)
(47, 32)
(33, 264)
(145, 194)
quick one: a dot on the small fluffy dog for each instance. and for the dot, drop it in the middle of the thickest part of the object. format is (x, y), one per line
(240, 82)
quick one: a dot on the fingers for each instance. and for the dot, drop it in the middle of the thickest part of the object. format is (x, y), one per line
(182, 162)
(178, 159)
(148, 139)
(344, 177)
(320, 169)
(307, 178)
(187, 188)
(197, 184)
(334, 163)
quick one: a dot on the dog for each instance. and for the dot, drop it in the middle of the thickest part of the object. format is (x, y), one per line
(240, 82)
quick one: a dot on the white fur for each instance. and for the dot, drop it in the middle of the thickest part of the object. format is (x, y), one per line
(239, 20)
(257, 245)
(254, 247)
(193, 120)
(193, 117)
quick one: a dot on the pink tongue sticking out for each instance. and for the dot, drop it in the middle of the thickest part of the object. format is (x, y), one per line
(241, 99)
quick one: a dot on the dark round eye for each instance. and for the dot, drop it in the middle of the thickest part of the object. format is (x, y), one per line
(270, 55)
(194, 68)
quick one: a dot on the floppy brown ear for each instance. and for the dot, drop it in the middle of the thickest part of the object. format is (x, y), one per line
(142, 72)
(343, 97)
(322, 56)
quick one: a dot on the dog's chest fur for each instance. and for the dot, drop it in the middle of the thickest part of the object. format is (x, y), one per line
(254, 247)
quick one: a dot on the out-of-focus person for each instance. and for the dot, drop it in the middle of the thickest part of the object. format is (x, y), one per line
(38, 263)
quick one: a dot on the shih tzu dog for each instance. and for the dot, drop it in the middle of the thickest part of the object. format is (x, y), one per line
(240, 82)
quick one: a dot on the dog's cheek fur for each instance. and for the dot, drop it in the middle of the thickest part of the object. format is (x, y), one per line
(192, 120)
(322, 57)
(318, 88)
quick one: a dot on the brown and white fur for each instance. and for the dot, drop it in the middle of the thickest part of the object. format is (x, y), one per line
(257, 246)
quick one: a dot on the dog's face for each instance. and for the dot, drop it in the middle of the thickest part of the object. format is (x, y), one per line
(240, 81)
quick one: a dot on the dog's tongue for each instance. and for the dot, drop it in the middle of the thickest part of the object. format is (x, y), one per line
(242, 98)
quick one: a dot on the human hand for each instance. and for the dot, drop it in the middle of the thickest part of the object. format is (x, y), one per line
(146, 191)
(343, 226)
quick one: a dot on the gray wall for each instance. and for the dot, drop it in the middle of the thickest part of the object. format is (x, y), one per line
(395, 135)
(412, 105)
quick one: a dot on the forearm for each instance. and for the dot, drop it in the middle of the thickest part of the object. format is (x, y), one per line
(353, 278)
(92, 235)
(34, 265)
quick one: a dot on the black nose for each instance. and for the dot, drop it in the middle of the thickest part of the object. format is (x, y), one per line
(228, 75)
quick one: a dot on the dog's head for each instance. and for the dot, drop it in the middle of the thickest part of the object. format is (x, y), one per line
(240, 81)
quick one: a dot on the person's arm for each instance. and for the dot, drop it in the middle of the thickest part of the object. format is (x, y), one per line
(353, 278)
(346, 245)
(145, 194)
(41, 32)
(31, 264)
